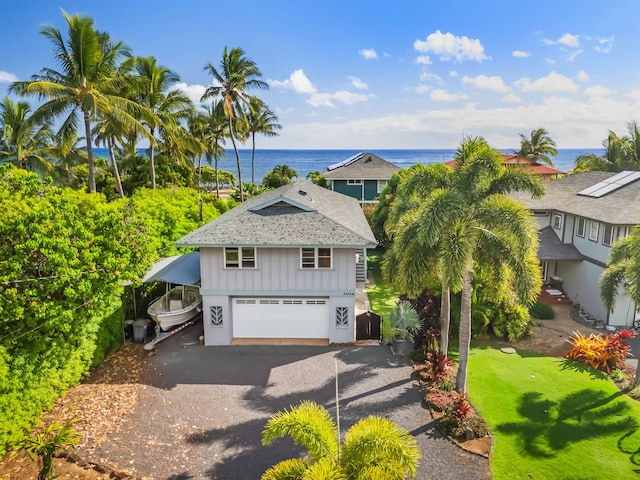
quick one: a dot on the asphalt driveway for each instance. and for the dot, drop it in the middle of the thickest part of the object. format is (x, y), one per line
(203, 410)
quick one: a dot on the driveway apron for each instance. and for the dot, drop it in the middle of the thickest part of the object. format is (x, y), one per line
(201, 413)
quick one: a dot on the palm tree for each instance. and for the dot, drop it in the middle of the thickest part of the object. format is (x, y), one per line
(623, 271)
(85, 83)
(620, 153)
(259, 119)
(471, 220)
(279, 176)
(539, 147)
(169, 107)
(108, 132)
(237, 74)
(25, 143)
(374, 447)
(215, 135)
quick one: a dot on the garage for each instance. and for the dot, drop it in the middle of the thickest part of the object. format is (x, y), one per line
(280, 317)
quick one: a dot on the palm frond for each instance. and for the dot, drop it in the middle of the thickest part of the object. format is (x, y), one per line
(290, 469)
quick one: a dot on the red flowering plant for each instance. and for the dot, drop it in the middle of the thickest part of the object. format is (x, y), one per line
(602, 353)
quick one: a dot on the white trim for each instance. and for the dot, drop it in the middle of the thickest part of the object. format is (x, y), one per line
(241, 259)
(316, 258)
(579, 221)
(557, 221)
(592, 230)
(353, 181)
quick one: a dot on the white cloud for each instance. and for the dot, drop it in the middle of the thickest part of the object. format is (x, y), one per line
(440, 95)
(420, 89)
(448, 46)
(430, 77)
(604, 44)
(520, 54)
(193, 92)
(327, 99)
(599, 91)
(569, 40)
(573, 55)
(359, 84)
(554, 82)
(6, 77)
(511, 98)
(583, 76)
(453, 73)
(494, 83)
(423, 60)
(550, 61)
(368, 54)
(297, 81)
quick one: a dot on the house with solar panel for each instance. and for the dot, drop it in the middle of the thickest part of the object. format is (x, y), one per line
(580, 217)
(362, 176)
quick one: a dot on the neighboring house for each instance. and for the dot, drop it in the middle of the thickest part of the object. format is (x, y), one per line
(514, 160)
(282, 265)
(362, 176)
(580, 217)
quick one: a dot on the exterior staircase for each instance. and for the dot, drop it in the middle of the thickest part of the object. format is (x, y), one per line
(361, 268)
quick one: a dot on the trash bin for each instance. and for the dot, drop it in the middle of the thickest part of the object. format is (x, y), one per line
(140, 329)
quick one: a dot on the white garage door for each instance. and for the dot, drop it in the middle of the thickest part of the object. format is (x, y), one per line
(280, 318)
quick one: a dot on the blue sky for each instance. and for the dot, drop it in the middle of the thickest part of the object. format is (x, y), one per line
(370, 75)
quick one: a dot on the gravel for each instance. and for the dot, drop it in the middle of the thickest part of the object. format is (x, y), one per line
(202, 411)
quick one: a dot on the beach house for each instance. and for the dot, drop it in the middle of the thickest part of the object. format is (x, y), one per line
(362, 176)
(282, 265)
(580, 217)
(545, 172)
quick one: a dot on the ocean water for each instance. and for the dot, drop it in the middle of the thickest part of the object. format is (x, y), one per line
(305, 161)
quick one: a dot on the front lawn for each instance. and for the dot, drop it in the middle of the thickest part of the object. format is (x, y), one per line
(382, 296)
(552, 418)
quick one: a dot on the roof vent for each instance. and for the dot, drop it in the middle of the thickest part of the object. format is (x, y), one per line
(368, 159)
(302, 192)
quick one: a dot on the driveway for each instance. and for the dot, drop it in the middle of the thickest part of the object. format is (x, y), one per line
(203, 410)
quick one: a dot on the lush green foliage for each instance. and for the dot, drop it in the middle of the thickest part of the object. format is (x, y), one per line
(65, 256)
(539, 147)
(279, 176)
(405, 322)
(383, 297)
(374, 447)
(542, 311)
(619, 153)
(45, 445)
(602, 353)
(553, 417)
(317, 178)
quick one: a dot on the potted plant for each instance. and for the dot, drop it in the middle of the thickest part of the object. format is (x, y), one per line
(405, 324)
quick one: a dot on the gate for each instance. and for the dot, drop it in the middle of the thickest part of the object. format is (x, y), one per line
(368, 326)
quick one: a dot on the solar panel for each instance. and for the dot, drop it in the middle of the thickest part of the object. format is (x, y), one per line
(344, 163)
(611, 184)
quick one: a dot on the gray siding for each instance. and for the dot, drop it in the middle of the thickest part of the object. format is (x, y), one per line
(278, 272)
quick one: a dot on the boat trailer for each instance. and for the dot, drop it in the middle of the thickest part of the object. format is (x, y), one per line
(160, 335)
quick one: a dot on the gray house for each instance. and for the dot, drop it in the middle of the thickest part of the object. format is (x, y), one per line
(282, 265)
(580, 217)
(362, 176)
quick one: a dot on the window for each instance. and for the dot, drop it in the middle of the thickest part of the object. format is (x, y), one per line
(244, 257)
(580, 227)
(545, 270)
(593, 230)
(215, 313)
(342, 317)
(315, 258)
(540, 213)
(354, 182)
(557, 221)
(381, 185)
(611, 234)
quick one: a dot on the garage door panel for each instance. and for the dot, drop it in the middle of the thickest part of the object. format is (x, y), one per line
(280, 318)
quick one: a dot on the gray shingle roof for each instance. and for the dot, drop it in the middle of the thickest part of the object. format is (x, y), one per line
(621, 207)
(551, 248)
(366, 166)
(299, 214)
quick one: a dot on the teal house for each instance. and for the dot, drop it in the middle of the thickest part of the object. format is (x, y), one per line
(362, 176)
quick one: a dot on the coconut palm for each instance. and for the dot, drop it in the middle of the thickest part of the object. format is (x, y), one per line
(259, 120)
(236, 75)
(620, 153)
(215, 136)
(169, 106)
(623, 272)
(25, 143)
(108, 132)
(374, 447)
(468, 221)
(87, 82)
(539, 147)
(279, 176)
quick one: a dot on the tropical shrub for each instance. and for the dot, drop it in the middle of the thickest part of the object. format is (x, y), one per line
(279, 176)
(374, 447)
(440, 400)
(602, 353)
(436, 367)
(405, 321)
(65, 256)
(317, 178)
(511, 322)
(542, 311)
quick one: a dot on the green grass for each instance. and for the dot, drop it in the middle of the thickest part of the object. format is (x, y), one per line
(552, 418)
(382, 296)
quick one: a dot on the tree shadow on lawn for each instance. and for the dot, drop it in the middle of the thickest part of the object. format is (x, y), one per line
(576, 366)
(550, 426)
